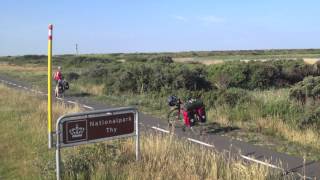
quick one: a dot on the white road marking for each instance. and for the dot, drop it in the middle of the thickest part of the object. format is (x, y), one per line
(72, 102)
(200, 142)
(159, 129)
(89, 107)
(25, 88)
(260, 162)
(20, 86)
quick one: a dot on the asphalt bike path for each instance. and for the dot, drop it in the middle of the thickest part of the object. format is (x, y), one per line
(289, 165)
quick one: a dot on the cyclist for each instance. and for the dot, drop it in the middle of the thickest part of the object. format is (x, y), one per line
(58, 75)
(58, 78)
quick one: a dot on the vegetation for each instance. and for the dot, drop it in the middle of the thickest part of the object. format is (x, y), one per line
(255, 96)
(24, 153)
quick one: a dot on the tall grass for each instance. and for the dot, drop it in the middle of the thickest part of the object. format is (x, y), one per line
(24, 153)
(23, 134)
(271, 113)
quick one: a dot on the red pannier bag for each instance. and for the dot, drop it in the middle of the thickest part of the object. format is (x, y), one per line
(188, 118)
(201, 112)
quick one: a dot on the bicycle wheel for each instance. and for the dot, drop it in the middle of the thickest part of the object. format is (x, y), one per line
(173, 119)
(198, 128)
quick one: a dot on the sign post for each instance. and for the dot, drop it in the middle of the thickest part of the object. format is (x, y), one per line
(96, 126)
(49, 85)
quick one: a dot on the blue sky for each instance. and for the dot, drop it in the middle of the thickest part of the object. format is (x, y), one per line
(156, 26)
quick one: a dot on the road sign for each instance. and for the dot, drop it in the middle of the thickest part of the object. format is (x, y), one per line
(96, 126)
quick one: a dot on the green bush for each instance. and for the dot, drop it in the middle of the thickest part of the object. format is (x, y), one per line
(232, 97)
(161, 59)
(141, 77)
(308, 88)
(71, 76)
(231, 74)
(312, 119)
(262, 75)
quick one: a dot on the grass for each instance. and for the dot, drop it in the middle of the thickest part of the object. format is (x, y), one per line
(270, 123)
(269, 119)
(24, 132)
(29, 73)
(255, 119)
(24, 153)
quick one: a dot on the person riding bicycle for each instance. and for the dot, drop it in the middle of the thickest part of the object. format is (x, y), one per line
(59, 82)
(58, 76)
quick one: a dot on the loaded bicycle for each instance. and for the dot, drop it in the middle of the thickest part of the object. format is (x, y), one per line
(186, 115)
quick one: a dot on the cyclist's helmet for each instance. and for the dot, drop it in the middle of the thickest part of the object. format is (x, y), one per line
(172, 100)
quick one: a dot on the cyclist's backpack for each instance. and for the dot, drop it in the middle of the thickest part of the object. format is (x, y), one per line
(172, 100)
(66, 85)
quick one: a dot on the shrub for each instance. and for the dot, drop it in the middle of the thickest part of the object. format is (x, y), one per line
(233, 96)
(262, 75)
(141, 77)
(162, 59)
(79, 61)
(312, 119)
(229, 75)
(308, 88)
(71, 76)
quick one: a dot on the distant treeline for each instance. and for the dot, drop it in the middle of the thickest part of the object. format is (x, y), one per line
(190, 53)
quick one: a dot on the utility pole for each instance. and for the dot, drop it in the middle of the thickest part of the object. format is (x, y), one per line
(77, 52)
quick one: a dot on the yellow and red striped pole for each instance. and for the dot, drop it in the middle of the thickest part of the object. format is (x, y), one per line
(50, 86)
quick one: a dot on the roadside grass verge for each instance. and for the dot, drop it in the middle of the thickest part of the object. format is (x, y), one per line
(24, 152)
(23, 130)
(270, 119)
(35, 75)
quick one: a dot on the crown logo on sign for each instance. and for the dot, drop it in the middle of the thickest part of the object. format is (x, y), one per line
(76, 132)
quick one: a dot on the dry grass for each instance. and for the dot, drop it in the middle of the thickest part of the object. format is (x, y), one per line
(166, 158)
(311, 60)
(308, 136)
(272, 125)
(193, 60)
(92, 89)
(26, 68)
(23, 129)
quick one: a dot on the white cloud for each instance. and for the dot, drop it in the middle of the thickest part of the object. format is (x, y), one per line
(212, 19)
(180, 18)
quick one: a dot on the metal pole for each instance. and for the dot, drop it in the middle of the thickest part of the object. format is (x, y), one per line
(49, 86)
(58, 154)
(137, 137)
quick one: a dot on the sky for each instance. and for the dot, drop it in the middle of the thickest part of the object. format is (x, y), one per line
(113, 26)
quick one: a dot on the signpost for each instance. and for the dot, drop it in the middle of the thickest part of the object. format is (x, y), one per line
(50, 27)
(96, 126)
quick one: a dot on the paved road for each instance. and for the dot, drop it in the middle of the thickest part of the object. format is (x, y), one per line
(288, 164)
